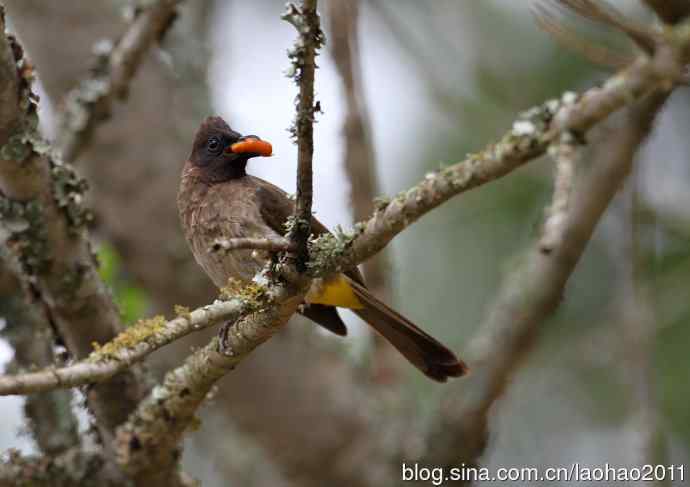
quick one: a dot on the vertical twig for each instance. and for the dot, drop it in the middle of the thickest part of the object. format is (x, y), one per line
(303, 57)
(565, 154)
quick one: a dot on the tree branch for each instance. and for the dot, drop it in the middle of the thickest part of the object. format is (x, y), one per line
(91, 102)
(565, 154)
(171, 407)
(185, 388)
(528, 139)
(129, 347)
(268, 244)
(44, 219)
(303, 55)
(155, 426)
(147, 444)
(531, 134)
(529, 294)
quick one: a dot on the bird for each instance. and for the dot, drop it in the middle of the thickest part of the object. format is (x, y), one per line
(217, 199)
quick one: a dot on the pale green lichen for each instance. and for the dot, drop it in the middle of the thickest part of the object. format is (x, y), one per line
(311, 39)
(183, 312)
(252, 294)
(15, 149)
(26, 233)
(79, 104)
(67, 187)
(71, 281)
(309, 31)
(68, 192)
(331, 247)
(381, 203)
(140, 332)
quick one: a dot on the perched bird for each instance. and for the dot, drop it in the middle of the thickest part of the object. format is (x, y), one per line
(218, 199)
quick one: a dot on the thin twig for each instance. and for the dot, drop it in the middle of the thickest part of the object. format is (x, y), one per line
(91, 102)
(268, 244)
(565, 154)
(131, 346)
(303, 56)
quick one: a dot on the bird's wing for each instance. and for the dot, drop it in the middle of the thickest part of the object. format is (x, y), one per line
(228, 211)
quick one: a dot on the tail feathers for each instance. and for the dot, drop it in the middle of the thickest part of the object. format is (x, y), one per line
(421, 349)
(326, 316)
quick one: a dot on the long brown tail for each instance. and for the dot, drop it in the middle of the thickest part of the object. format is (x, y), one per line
(421, 349)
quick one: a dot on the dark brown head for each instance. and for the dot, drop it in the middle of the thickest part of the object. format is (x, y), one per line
(220, 154)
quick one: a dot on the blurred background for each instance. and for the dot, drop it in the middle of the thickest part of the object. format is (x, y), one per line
(435, 80)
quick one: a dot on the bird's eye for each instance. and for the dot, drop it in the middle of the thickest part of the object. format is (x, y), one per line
(213, 145)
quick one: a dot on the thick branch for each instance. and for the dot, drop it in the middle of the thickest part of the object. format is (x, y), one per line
(148, 443)
(303, 57)
(41, 204)
(92, 101)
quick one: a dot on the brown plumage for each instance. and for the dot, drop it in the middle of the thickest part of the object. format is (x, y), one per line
(217, 199)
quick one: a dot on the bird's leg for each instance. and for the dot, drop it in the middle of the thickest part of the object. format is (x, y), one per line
(224, 347)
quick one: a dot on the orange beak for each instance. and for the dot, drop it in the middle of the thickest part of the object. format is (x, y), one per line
(252, 146)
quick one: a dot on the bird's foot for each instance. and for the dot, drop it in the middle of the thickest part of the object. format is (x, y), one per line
(224, 347)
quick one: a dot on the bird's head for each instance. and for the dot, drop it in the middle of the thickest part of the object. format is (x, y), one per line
(220, 154)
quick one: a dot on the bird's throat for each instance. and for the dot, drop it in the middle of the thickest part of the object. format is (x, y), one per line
(224, 172)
